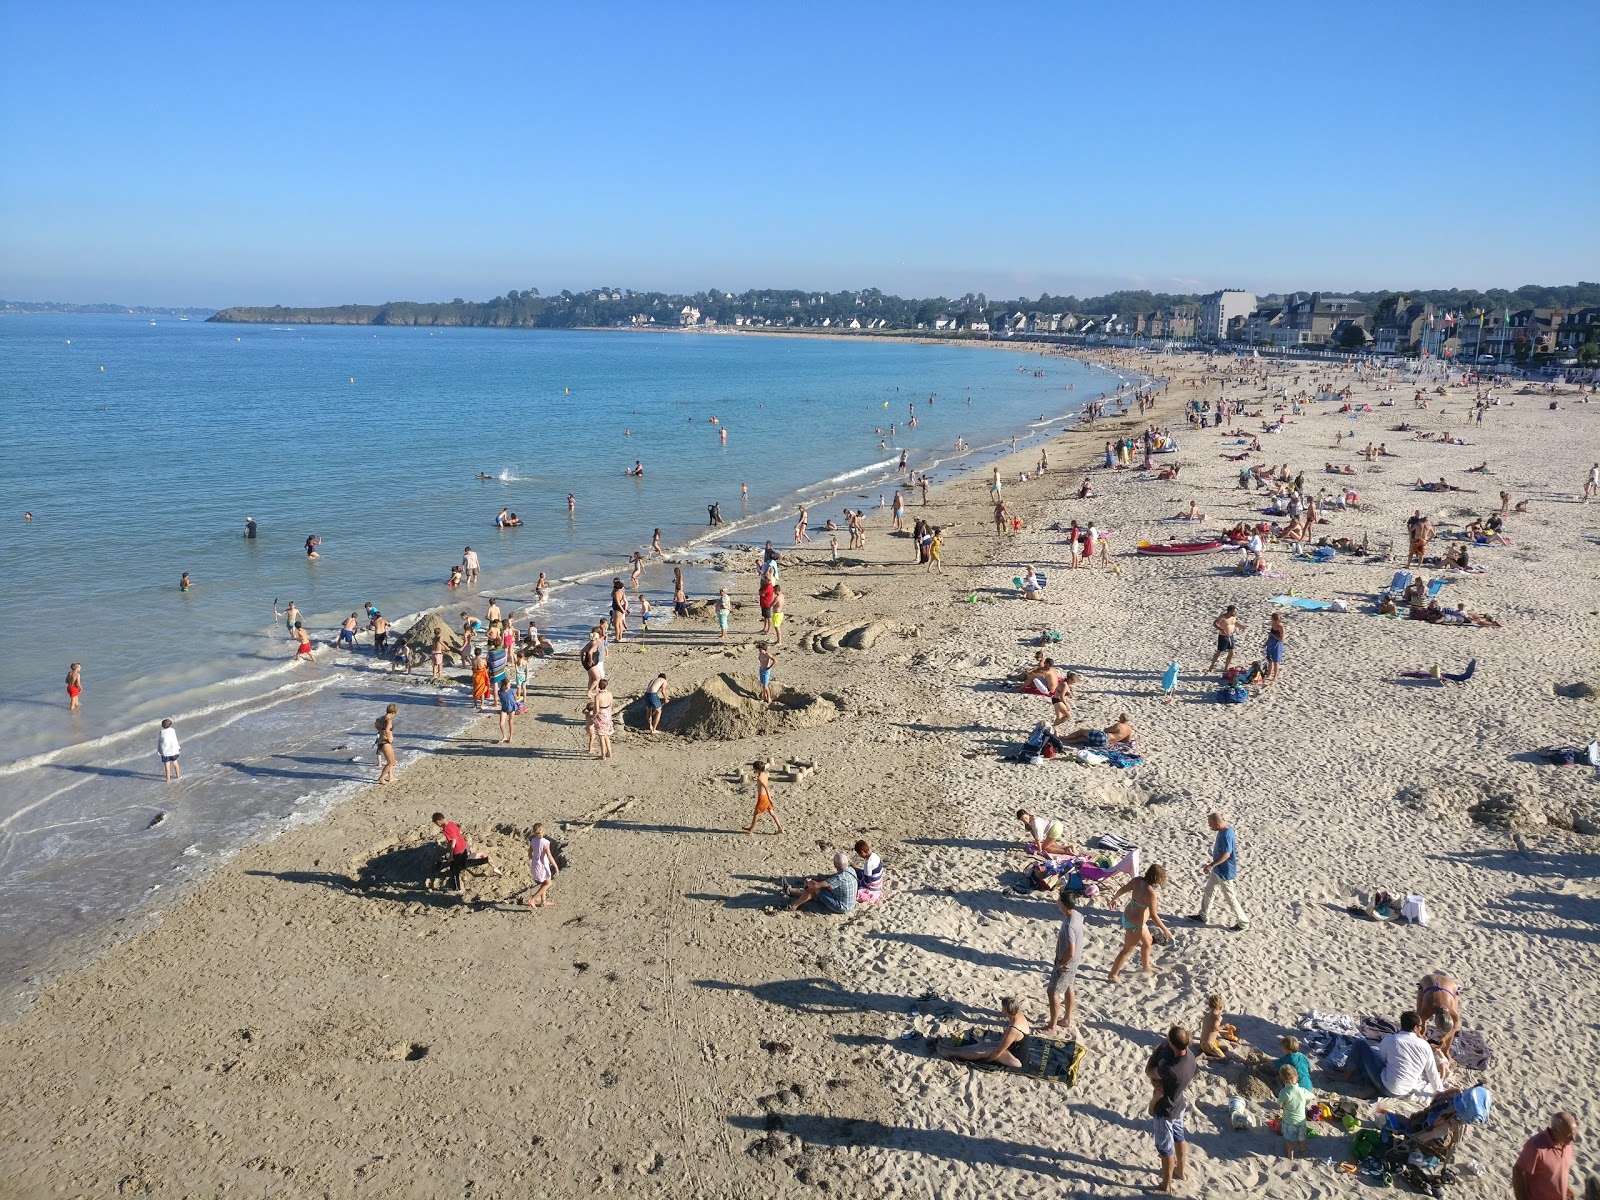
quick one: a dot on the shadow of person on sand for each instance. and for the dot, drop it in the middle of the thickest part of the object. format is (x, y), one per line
(402, 874)
(824, 997)
(845, 1132)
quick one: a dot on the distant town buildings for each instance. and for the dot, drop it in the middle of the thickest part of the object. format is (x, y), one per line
(1305, 320)
(1218, 311)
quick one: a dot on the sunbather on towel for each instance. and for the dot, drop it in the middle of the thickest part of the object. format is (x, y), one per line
(1046, 836)
(1002, 1049)
(1118, 733)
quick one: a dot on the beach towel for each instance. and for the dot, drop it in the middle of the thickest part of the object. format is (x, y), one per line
(1375, 1029)
(868, 895)
(1469, 1050)
(1114, 843)
(1055, 1059)
(1304, 603)
(1435, 587)
(1120, 758)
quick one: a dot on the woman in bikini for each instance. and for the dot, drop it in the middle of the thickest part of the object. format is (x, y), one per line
(1439, 996)
(1003, 1050)
(1142, 909)
(385, 726)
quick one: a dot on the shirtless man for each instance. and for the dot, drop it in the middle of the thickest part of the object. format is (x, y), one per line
(1227, 627)
(470, 564)
(1439, 996)
(380, 633)
(1043, 679)
(1118, 733)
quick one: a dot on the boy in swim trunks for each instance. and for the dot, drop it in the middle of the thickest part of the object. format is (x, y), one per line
(724, 607)
(777, 616)
(765, 661)
(655, 699)
(74, 686)
(763, 798)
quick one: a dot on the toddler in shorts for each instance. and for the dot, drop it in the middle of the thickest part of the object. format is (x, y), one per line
(1292, 1101)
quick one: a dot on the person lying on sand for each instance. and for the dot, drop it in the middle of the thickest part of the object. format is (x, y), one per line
(834, 893)
(1194, 513)
(1119, 733)
(1000, 1050)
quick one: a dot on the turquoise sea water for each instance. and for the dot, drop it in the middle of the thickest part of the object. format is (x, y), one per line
(141, 447)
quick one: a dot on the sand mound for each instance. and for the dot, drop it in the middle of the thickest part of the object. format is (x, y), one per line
(419, 638)
(726, 708)
(840, 591)
(705, 610)
(860, 637)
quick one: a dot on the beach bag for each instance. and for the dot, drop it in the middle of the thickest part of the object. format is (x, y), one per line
(1364, 1144)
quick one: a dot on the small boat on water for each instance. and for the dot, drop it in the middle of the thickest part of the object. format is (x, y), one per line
(1179, 547)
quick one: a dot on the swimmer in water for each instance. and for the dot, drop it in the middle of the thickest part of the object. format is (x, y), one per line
(572, 503)
(484, 475)
(27, 516)
(638, 469)
(183, 584)
(312, 543)
(655, 544)
(724, 435)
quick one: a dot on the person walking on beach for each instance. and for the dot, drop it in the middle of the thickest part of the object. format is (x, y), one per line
(1543, 1170)
(604, 721)
(461, 856)
(765, 661)
(1591, 485)
(74, 686)
(167, 750)
(385, 743)
(800, 533)
(508, 709)
(1001, 517)
(1222, 874)
(1171, 1068)
(763, 798)
(1061, 991)
(542, 865)
(680, 598)
(724, 608)
(1144, 895)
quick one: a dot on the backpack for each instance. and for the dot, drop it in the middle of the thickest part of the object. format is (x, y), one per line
(1365, 1144)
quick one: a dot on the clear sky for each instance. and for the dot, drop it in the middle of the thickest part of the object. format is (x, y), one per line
(325, 153)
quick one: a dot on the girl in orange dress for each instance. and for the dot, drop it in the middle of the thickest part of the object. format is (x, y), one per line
(763, 799)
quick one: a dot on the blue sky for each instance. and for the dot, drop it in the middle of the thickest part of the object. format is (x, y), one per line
(317, 153)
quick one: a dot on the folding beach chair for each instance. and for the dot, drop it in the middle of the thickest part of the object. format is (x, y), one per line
(1400, 582)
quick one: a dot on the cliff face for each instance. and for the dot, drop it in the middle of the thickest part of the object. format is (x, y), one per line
(347, 314)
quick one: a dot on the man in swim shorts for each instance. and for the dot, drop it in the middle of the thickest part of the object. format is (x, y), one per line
(655, 699)
(74, 686)
(724, 607)
(1227, 625)
(1118, 733)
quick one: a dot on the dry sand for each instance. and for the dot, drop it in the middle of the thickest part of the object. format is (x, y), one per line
(316, 1021)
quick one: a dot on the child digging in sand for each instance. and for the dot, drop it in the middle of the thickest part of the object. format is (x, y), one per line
(1292, 1101)
(1211, 1030)
(763, 799)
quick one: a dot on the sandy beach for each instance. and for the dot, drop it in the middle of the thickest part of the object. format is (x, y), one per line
(316, 1020)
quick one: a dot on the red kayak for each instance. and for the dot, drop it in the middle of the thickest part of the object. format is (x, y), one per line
(1179, 547)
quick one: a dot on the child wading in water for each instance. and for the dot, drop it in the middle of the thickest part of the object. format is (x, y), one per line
(543, 865)
(763, 799)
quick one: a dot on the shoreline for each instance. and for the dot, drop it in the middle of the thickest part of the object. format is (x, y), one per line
(658, 984)
(83, 947)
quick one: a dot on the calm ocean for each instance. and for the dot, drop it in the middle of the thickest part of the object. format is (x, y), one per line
(140, 447)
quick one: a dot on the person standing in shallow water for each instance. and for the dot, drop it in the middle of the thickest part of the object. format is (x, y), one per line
(385, 727)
